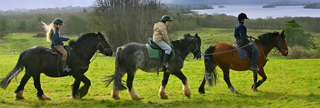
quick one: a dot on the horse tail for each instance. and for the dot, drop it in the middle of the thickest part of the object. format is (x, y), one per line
(15, 71)
(118, 74)
(210, 66)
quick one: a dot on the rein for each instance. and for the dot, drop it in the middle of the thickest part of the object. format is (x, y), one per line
(99, 44)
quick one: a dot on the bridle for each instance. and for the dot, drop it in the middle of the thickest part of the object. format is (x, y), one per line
(281, 49)
(99, 44)
(197, 48)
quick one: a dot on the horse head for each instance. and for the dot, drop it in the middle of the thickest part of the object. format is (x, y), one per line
(197, 53)
(104, 46)
(275, 39)
(193, 44)
(282, 44)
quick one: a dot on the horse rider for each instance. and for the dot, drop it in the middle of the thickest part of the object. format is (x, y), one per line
(161, 38)
(240, 33)
(53, 35)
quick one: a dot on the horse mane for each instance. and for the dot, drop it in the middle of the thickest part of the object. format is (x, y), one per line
(267, 38)
(83, 37)
(178, 42)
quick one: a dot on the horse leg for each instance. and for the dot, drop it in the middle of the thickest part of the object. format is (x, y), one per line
(132, 93)
(18, 93)
(201, 88)
(255, 78)
(36, 81)
(85, 88)
(226, 78)
(264, 77)
(75, 87)
(183, 78)
(162, 92)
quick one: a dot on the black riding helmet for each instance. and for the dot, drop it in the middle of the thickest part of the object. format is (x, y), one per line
(242, 16)
(166, 18)
(58, 21)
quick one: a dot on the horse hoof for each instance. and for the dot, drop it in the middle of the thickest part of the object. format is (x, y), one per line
(163, 95)
(115, 95)
(115, 98)
(75, 96)
(255, 90)
(19, 95)
(136, 98)
(232, 90)
(44, 97)
(187, 90)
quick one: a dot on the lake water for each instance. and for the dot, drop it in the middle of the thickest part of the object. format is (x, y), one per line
(256, 11)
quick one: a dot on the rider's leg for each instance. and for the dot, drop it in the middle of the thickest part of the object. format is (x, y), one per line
(253, 58)
(64, 57)
(163, 45)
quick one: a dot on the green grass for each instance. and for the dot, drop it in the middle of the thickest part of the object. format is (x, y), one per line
(290, 83)
(15, 43)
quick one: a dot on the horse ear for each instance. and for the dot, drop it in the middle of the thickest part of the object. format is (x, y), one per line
(282, 33)
(99, 33)
(196, 35)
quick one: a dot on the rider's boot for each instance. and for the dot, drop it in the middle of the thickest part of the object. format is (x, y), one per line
(254, 60)
(65, 66)
(165, 60)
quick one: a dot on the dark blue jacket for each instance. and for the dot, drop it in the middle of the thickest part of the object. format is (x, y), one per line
(240, 32)
(56, 39)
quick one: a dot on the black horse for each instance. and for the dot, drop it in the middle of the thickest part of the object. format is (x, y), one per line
(38, 60)
(132, 56)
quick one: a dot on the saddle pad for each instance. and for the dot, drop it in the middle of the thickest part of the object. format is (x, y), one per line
(243, 53)
(154, 53)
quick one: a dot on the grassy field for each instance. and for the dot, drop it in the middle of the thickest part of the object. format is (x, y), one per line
(290, 83)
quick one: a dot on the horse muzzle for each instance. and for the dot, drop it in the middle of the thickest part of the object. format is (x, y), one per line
(284, 52)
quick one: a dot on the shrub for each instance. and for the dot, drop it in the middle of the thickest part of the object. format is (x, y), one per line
(297, 52)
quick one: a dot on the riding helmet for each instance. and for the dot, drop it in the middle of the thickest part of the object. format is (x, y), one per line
(58, 21)
(242, 16)
(166, 18)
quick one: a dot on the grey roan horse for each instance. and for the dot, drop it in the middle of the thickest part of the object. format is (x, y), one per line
(38, 60)
(132, 56)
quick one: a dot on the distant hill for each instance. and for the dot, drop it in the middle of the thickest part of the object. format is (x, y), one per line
(312, 6)
(218, 2)
(284, 3)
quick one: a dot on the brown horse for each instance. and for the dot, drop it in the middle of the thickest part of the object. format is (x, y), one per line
(222, 55)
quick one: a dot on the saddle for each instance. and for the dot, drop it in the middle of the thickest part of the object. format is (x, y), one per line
(243, 54)
(156, 52)
(54, 51)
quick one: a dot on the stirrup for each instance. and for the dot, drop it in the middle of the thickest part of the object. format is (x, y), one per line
(166, 65)
(66, 69)
(254, 68)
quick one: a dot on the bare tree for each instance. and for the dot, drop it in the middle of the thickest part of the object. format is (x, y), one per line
(126, 21)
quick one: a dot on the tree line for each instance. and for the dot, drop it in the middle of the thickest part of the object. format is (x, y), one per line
(125, 21)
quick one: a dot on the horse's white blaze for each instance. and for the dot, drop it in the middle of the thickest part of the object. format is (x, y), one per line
(44, 97)
(186, 89)
(19, 95)
(133, 94)
(162, 93)
(115, 94)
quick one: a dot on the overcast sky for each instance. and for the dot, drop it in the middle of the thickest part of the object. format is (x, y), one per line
(35, 4)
